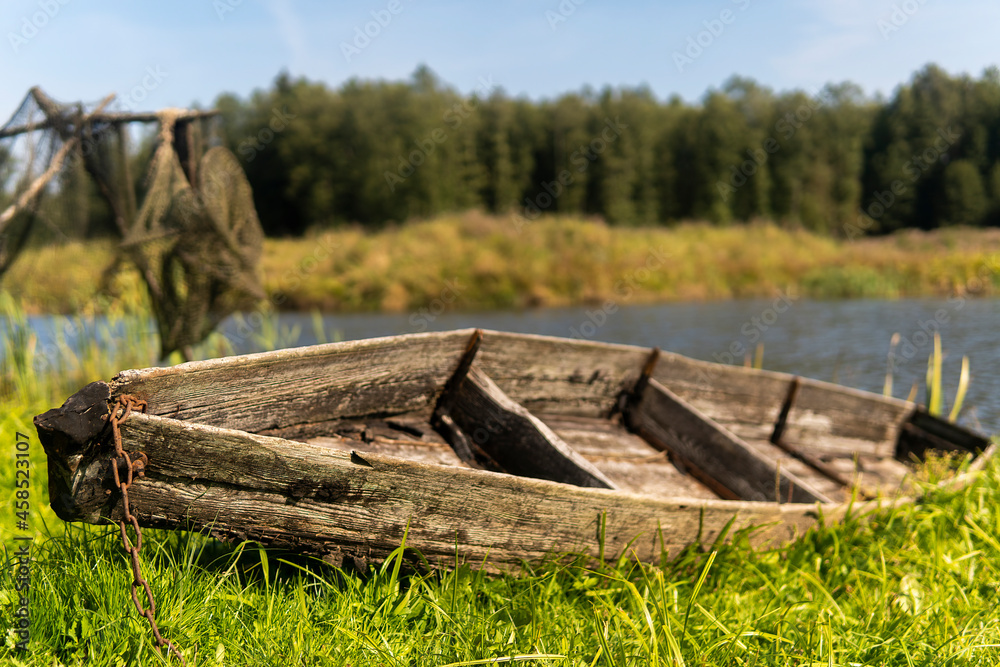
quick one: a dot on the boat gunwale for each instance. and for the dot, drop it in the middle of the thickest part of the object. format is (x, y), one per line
(126, 376)
(974, 468)
(123, 377)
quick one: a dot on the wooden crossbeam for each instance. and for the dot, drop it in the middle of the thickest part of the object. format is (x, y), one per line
(111, 118)
(55, 166)
(488, 428)
(716, 457)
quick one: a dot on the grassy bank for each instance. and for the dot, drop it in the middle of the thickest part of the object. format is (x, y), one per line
(912, 587)
(474, 261)
(916, 585)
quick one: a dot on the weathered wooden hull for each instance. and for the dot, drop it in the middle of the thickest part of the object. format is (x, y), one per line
(338, 450)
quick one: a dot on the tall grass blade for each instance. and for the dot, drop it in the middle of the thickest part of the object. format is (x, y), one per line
(602, 637)
(319, 331)
(697, 589)
(513, 658)
(934, 378)
(963, 387)
(890, 365)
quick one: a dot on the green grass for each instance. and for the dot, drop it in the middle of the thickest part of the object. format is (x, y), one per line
(474, 261)
(916, 585)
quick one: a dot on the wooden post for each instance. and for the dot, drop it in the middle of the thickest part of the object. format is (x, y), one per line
(184, 146)
(128, 185)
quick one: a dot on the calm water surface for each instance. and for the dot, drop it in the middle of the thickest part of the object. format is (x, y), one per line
(840, 341)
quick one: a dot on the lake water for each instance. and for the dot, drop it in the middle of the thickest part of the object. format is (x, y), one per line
(841, 341)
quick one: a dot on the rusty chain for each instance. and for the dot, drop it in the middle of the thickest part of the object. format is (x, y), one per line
(125, 404)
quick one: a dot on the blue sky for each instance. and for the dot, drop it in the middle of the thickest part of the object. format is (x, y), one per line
(157, 54)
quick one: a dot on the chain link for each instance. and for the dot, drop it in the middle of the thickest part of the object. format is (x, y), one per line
(122, 409)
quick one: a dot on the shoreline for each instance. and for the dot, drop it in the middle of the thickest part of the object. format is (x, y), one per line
(472, 261)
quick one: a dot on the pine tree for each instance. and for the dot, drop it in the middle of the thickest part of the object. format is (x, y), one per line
(964, 198)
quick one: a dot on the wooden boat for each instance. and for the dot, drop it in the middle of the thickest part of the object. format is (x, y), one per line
(485, 446)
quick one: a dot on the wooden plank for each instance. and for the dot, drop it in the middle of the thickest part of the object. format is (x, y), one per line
(825, 418)
(594, 436)
(787, 463)
(719, 459)
(924, 431)
(874, 476)
(421, 451)
(745, 401)
(303, 386)
(814, 464)
(520, 443)
(320, 500)
(559, 375)
(401, 423)
(626, 459)
(830, 419)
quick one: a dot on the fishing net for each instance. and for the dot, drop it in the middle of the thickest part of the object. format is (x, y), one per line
(199, 247)
(194, 236)
(27, 148)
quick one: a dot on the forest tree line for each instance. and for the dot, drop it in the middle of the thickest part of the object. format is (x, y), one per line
(836, 161)
(371, 152)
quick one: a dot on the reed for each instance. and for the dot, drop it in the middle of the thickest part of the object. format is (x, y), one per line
(963, 387)
(932, 380)
(495, 262)
(935, 394)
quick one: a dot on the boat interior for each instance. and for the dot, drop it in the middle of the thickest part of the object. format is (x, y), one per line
(586, 413)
